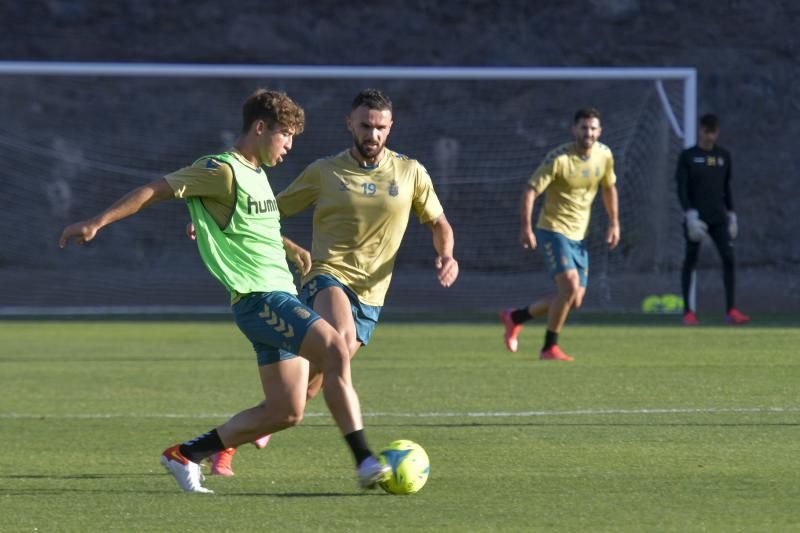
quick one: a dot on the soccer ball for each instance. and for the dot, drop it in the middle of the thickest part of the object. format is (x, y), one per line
(410, 467)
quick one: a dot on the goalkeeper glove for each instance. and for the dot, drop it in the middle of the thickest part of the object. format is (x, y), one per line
(733, 226)
(695, 227)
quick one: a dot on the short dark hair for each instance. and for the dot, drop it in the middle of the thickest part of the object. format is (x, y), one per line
(586, 112)
(709, 122)
(372, 99)
(275, 108)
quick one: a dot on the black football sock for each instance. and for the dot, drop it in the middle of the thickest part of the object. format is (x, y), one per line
(203, 446)
(518, 316)
(729, 278)
(550, 339)
(358, 445)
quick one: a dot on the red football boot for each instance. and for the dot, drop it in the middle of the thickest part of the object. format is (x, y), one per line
(554, 353)
(736, 317)
(512, 330)
(221, 462)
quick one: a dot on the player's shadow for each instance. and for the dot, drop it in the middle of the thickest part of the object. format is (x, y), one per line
(62, 491)
(27, 491)
(80, 476)
(7, 491)
(297, 494)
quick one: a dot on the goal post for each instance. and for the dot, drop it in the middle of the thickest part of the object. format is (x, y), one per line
(77, 135)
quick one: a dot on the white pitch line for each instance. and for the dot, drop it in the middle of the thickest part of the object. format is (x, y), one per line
(431, 415)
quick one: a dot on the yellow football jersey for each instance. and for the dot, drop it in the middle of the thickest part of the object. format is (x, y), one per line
(571, 183)
(360, 216)
(211, 179)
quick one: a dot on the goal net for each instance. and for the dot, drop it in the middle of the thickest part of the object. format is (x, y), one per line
(74, 140)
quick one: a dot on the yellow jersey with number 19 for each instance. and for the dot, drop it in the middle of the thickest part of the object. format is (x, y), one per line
(360, 216)
(571, 182)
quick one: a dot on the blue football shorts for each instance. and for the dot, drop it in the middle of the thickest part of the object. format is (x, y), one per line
(365, 316)
(275, 323)
(562, 254)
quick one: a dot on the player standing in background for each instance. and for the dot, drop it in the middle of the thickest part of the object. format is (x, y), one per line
(362, 200)
(571, 175)
(704, 191)
(237, 226)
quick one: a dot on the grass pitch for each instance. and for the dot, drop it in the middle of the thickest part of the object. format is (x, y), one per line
(652, 428)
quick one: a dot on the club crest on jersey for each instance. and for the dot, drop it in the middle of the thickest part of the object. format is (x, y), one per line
(394, 190)
(342, 181)
(585, 173)
(720, 161)
(711, 161)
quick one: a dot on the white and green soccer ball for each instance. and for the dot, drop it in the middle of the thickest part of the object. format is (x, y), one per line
(410, 467)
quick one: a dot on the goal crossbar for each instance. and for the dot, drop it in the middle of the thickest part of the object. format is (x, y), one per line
(686, 75)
